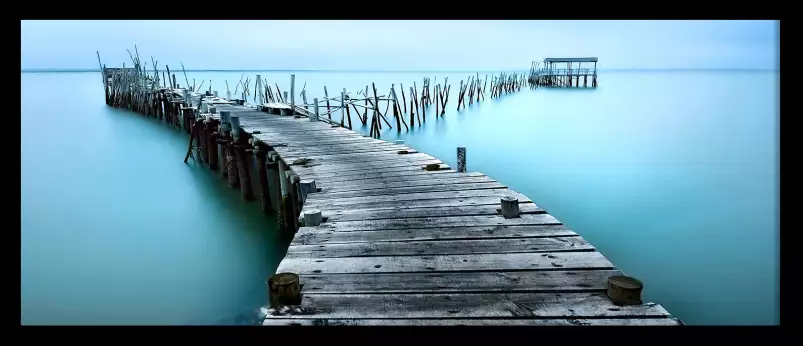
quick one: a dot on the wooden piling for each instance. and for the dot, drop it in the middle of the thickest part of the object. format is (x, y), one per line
(461, 159)
(307, 186)
(272, 168)
(262, 172)
(285, 289)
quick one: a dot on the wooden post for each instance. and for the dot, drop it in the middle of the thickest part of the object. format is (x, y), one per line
(285, 208)
(243, 168)
(624, 290)
(461, 159)
(273, 179)
(284, 289)
(398, 141)
(264, 188)
(315, 118)
(312, 218)
(292, 94)
(234, 120)
(211, 143)
(307, 187)
(510, 207)
(260, 96)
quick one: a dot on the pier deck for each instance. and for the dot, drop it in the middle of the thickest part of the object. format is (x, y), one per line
(402, 245)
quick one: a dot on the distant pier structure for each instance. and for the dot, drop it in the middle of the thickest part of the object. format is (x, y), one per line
(564, 73)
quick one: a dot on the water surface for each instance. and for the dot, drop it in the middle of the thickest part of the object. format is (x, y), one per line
(672, 175)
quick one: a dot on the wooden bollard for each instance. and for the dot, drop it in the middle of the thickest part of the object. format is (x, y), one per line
(461, 159)
(284, 289)
(624, 290)
(432, 167)
(307, 187)
(264, 188)
(510, 207)
(312, 218)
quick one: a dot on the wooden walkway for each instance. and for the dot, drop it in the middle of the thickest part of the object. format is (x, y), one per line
(401, 245)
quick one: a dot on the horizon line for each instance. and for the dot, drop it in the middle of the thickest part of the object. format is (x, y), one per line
(52, 70)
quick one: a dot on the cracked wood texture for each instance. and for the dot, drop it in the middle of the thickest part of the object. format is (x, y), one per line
(403, 245)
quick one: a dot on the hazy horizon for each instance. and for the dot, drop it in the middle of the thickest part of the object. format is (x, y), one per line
(369, 45)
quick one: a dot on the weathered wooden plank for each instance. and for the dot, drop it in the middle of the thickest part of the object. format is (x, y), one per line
(362, 159)
(510, 305)
(385, 174)
(312, 235)
(459, 282)
(336, 150)
(409, 189)
(432, 222)
(438, 263)
(311, 154)
(400, 213)
(441, 247)
(366, 158)
(341, 209)
(350, 169)
(402, 182)
(330, 167)
(668, 321)
(358, 202)
(412, 179)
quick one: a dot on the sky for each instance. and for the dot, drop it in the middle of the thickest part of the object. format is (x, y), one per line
(400, 45)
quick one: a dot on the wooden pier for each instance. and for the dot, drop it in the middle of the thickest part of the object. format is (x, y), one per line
(387, 235)
(560, 73)
(384, 234)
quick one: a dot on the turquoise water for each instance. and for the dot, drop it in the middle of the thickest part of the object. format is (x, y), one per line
(672, 175)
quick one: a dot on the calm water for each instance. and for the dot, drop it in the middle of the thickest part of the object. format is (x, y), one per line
(672, 175)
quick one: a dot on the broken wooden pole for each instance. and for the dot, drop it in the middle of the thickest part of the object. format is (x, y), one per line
(510, 207)
(461, 159)
(315, 118)
(292, 94)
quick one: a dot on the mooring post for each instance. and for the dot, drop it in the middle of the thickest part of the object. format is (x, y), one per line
(315, 118)
(292, 94)
(284, 289)
(307, 187)
(461, 159)
(312, 218)
(285, 96)
(264, 189)
(624, 290)
(510, 207)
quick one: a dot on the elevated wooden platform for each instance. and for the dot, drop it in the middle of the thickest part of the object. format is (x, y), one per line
(402, 245)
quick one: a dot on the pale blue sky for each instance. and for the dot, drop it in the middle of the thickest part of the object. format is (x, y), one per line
(400, 45)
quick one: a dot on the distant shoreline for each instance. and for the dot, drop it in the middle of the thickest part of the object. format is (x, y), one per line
(418, 71)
